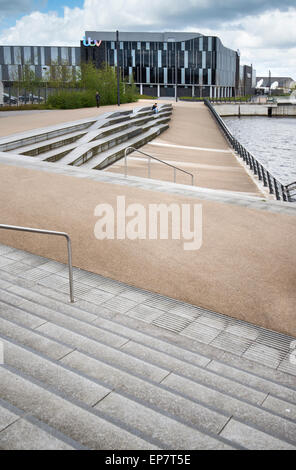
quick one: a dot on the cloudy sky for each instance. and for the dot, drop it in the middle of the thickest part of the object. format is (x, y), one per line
(263, 30)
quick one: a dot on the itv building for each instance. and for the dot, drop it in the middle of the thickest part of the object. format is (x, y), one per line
(161, 64)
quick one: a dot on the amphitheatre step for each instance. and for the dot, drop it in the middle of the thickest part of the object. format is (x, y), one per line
(85, 425)
(40, 135)
(82, 145)
(85, 152)
(44, 146)
(104, 159)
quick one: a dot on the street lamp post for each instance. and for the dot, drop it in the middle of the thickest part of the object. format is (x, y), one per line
(45, 68)
(117, 54)
(176, 71)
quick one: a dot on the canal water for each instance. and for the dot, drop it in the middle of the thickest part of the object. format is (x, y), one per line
(271, 140)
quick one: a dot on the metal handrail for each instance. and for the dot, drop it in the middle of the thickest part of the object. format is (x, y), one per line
(281, 192)
(49, 232)
(149, 164)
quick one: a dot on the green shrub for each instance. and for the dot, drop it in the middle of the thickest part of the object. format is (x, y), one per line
(23, 107)
(72, 99)
(103, 80)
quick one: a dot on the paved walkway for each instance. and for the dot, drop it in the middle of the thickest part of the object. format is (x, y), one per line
(194, 143)
(245, 267)
(13, 122)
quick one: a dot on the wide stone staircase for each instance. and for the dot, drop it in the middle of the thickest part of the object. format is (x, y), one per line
(91, 143)
(121, 368)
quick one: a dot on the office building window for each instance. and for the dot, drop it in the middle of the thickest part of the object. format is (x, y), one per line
(182, 76)
(159, 59)
(35, 52)
(165, 75)
(138, 45)
(64, 55)
(27, 55)
(210, 44)
(133, 58)
(200, 44)
(147, 75)
(165, 46)
(42, 55)
(200, 81)
(17, 55)
(147, 46)
(115, 57)
(54, 55)
(112, 45)
(73, 54)
(13, 72)
(7, 55)
(186, 59)
(204, 59)
(182, 46)
(209, 76)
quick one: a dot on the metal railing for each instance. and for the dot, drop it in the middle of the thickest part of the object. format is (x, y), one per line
(281, 192)
(49, 232)
(175, 168)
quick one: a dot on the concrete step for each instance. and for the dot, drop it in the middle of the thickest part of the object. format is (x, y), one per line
(83, 153)
(104, 159)
(202, 397)
(133, 414)
(52, 373)
(19, 431)
(83, 424)
(96, 141)
(40, 135)
(160, 426)
(44, 314)
(136, 369)
(155, 351)
(252, 415)
(50, 144)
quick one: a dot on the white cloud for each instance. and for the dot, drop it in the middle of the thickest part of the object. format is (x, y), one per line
(267, 40)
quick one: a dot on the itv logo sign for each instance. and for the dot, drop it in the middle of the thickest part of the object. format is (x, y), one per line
(91, 42)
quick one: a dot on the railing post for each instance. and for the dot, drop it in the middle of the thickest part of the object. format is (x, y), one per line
(284, 192)
(263, 175)
(125, 163)
(69, 247)
(258, 171)
(254, 165)
(269, 183)
(277, 194)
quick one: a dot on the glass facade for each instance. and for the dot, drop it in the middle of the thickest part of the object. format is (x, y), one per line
(39, 58)
(198, 62)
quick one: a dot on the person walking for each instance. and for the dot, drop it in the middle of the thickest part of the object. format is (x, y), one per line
(98, 99)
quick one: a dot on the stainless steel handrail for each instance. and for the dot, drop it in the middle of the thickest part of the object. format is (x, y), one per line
(149, 164)
(49, 232)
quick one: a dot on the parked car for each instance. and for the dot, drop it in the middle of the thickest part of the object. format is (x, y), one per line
(29, 98)
(11, 100)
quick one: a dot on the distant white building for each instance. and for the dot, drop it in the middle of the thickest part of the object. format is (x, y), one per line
(284, 83)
